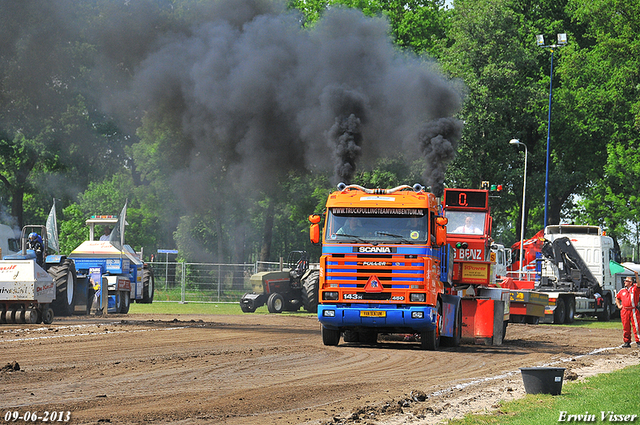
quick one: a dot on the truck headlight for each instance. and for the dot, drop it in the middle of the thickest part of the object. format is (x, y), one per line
(418, 298)
(328, 313)
(417, 315)
(331, 296)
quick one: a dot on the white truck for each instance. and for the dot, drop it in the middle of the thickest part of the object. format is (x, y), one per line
(9, 241)
(574, 270)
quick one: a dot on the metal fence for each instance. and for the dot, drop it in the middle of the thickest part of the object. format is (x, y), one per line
(205, 282)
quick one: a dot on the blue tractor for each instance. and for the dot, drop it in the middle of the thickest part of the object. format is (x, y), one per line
(114, 271)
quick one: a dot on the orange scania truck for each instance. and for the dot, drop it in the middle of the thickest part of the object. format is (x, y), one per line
(386, 267)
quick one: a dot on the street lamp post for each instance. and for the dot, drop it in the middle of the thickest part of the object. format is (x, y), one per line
(524, 192)
(562, 40)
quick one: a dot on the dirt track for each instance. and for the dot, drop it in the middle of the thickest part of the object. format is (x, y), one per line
(269, 369)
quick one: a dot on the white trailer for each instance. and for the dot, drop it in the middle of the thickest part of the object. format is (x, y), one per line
(26, 292)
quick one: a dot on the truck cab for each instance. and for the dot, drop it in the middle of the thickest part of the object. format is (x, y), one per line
(9, 241)
(384, 267)
(593, 253)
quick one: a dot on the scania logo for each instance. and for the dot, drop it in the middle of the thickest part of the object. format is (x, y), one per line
(382, 249)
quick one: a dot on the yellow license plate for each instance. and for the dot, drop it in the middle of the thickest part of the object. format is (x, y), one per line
(373, 313)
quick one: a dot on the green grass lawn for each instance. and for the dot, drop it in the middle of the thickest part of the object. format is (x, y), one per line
(615, 392)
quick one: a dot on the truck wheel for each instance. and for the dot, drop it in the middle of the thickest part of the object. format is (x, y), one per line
(330, 336)
(148, 285)
(118, 301)
(351, 336)
(64, 277)
(125, 302)
(532, 320)
(310, 291)
(605, 315)
(368, 336)
(275, 303)
(47, 315)
(430, 340)
(570, 311)
(454, 341)
(2, 318)
(559, 312)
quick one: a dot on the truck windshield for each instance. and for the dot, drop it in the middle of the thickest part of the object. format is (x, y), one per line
(465, 222)
(405, 227)
(14, 245)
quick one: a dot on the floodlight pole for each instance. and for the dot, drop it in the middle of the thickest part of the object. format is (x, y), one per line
(562, 40)
(524, 192)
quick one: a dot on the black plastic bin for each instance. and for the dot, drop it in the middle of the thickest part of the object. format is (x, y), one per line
(542, 380)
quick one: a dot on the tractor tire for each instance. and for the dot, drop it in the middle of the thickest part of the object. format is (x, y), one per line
(64, 277)
(330, 336)
(275, 303)
(310, 284)
(247, 307)
(125, 302)
(559, 313)
(148, 285)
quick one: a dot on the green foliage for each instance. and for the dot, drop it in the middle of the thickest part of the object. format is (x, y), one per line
(493, 53)
(73, 230)
(419, 26)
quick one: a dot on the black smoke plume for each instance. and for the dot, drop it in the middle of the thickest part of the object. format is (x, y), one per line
(256, 95)
(438, 141)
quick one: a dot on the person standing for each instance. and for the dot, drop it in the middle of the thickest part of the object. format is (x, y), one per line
(627, 301)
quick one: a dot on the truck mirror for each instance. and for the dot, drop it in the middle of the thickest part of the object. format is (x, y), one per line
(442, 221)
(441, 230)
(314, 233)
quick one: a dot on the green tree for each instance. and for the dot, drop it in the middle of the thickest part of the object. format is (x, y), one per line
(419, 26)
(603, 84)
(492, 52)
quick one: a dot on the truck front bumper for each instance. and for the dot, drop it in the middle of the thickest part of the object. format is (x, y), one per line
(342, 316)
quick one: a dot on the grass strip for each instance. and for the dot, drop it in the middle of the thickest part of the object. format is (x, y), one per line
(605, 398)
(190, 308)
